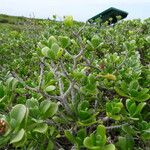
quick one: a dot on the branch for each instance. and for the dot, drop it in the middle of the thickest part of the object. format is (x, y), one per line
(123, 62)
(88, 63)
(73, 94)
(69, 89)
(82, 28)
(34, 89)
(61, 86)
(75, 58)
(116, 127)
(64, 70)
(23, 82)
(41, 73)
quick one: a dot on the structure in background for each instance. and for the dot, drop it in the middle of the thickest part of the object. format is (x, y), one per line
(107, 14)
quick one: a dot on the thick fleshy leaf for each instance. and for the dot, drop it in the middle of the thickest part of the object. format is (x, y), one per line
(139, 108)
(48, 108)
(18, 113)
(44, 51)
(101, 135)
(41, 128)
(18, 137)
(88, 143)
(44, 106)
(30, 103)
(70, 137)
(64, 41)
(109, 147)
(52, 109)
(68, 21)
(55, 47)
(95, 41)
(1, 90)
(50, 88)
(51, 40)
(50, 145)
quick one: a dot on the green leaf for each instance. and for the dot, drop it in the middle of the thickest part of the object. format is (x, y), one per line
(41, 128)
(3, 99)
(143, 91)
(109, 147)
(60, 53)
(50, 88)
(95, 41)
(55, 48)
(115, 117)
(101, 130)
(44, 51)
(44, 106)
(125, 143)
(68, 21)
(146, 134)
(51, 41)
(120, 92)
(116, 110)
(129, 130)
(134, 85)
(132, 109)
(50, 145)
(89, 46)
(14, 84)
(18, 137)
(143, 98)
(83, 115)
(18, 113)
(70, 137)
(139, 108)
(33, 106)
(30, 103)
(9, 82)
(134, 93)
(101, 133)
(64, 41)
(1, 90)
(51, 54)
(48, 108)
(81, 133)
(88, 143)
(52, 109)
(131, 106)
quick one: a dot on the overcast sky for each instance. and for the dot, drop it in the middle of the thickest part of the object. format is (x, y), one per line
(81, 10)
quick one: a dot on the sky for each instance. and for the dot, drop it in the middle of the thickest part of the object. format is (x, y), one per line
(81, 10)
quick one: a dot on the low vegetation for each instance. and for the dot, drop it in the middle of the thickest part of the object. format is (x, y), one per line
(68, 85)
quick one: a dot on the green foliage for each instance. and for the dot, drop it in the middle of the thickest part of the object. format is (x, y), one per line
(125, 143)
(68, 21)
(74, 85)
(113, 109)
(78, 139)
(97, 141)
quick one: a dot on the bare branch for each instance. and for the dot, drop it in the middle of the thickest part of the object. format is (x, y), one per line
(34, 89)
(88, 63)
(73, 94)
(61, 86)
(69, 89)
(75, 59)
(41, 73)
(116, 127)
(22, 82)
(64, 70)
(82, 28)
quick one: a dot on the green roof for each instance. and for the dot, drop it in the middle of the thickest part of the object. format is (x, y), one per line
(109, 13)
